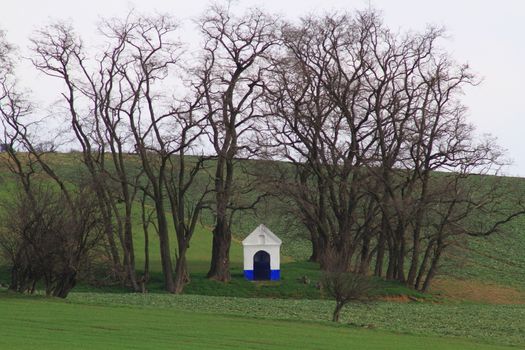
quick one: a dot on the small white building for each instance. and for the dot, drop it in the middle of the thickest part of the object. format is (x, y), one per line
(262, 257)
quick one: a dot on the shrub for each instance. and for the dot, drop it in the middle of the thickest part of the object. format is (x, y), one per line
(346, 287)
(47, 238)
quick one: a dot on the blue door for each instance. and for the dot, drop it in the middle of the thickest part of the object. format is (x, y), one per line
(261, 266)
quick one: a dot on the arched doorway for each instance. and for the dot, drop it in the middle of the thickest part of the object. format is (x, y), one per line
(261, 266)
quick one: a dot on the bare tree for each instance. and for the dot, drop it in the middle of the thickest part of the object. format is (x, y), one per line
(163, 132)
(321, 127)
(48, 233)
(148, 51)
(91, 96)
(346, 287)
(234, 68)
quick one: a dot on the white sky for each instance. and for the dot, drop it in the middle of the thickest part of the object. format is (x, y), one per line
(489, 35)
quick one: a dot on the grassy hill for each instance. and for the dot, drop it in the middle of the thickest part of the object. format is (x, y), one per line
(461, 313)
(495, 261)
(295, 249)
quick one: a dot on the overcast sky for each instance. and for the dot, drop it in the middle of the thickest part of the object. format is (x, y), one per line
(489, 35)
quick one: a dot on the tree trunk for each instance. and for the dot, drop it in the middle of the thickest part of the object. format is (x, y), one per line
(337, 311)
(414, 262)
(392, 262)
(220, 255)
(15, 279)
(433, 268)
(315, 247)
(129, 251)
(66, 283)
(417, 233)
(423, 267)
(325, 256)
(165, 254)
(181, 273)
(365, 251)
(378, 270)
(108, 228)
(145, 277)
(401, 258)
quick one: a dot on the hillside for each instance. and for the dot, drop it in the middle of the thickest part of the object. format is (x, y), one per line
(459, 313)
(491, 268)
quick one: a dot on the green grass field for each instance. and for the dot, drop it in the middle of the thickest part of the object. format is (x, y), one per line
(279, 315)
(35, 323)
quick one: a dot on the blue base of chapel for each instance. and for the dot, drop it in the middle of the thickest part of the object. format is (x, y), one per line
(275, 275)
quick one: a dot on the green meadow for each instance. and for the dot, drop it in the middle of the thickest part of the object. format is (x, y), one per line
(288, 314)
(33, 322)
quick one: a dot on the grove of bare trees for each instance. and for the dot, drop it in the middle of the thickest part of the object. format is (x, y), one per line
(358, 129)
(383, 162)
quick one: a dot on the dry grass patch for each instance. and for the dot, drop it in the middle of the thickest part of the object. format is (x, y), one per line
(470, 290)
